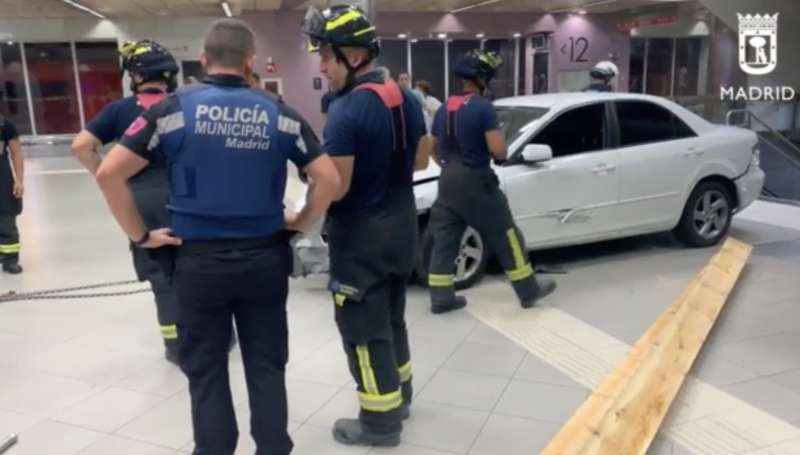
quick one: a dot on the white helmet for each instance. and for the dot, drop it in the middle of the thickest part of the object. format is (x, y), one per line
(604, 70)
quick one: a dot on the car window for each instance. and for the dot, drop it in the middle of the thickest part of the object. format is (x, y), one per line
(642, 122)
(578, 130)
(512, 119)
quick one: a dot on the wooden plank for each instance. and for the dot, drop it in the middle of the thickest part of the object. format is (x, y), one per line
(623, 414)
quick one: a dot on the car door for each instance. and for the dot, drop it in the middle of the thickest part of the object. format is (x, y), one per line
(573, 196)
(658, 157)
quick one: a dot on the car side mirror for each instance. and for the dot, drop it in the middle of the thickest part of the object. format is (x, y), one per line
(536, 153)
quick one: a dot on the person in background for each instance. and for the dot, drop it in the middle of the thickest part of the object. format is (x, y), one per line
(602, 75)
(152, 70)
(12, 175)
(429, 103)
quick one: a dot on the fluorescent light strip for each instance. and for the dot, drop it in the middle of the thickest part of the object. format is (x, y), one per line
(226, 7)
(83, 8)
(484, 3)
(574, 9)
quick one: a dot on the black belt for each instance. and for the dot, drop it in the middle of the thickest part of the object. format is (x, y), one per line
(203, 247)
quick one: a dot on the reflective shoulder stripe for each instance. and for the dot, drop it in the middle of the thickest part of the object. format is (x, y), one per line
(166, 125)
(288, 125)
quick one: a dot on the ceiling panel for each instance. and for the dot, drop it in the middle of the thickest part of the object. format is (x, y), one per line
(149, 8)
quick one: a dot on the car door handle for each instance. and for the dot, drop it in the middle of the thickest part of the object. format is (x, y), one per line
(693, 152)
(601, 169)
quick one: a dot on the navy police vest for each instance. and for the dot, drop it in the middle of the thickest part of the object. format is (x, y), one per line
(227, 174)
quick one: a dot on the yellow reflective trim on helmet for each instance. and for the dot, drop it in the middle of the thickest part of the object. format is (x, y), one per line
(364, 32)
(342, 20)
(142, 50)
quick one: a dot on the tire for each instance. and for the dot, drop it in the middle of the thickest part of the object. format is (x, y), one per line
(475, 262)
(707, 215)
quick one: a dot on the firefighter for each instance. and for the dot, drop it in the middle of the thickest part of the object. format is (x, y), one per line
(11, 190)
(373, 131)
(467, 138)
(152, 71)
(602, 74)
(227, 146)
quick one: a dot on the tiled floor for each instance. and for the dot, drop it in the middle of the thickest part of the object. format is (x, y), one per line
(87, 377)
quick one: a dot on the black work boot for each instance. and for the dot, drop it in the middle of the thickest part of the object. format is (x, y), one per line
(439, 307)
(542, 288)
(12, 268)
(351, 432)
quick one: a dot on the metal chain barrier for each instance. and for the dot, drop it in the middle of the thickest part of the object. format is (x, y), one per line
(63, 293)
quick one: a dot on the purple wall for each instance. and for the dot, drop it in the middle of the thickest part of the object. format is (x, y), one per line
(278, 36)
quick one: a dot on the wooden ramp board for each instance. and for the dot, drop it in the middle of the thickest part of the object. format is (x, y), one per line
(623, 414)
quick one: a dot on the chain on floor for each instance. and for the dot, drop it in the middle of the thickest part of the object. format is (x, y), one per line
(66, 293)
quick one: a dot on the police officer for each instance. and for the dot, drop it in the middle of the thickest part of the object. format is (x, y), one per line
(11, 190)
(467, 138)
(226, 146)
(373, 131)
(602, 74)
(152, 71)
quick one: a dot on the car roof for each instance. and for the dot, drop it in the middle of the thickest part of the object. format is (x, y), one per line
(558, 100)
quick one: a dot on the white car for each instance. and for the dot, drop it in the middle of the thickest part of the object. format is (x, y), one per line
(586, 167)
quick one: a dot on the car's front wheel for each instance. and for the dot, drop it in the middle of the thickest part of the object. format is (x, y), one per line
(470, 264)
(707, 215)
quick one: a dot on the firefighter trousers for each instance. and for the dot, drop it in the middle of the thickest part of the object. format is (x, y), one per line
(375, 340)
(472, 197)
(9, 240)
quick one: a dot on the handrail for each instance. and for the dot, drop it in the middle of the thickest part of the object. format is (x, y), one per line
(750, 116)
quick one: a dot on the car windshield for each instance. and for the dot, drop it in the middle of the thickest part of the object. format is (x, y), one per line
(513, 118)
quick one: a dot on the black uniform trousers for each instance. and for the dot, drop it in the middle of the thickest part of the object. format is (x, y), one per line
(9, 240)
(472, 197)
(372, 256)
(151, 195)
(250, 286)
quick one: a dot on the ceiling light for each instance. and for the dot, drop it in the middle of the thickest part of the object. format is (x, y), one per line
(480, 35)
(476, 5)
(517, 35)
(414, 40)
(581, 11)
(402, 35)
(226, 7)
(442, 35)
(83, 8)
(584, 7)
(10, 43)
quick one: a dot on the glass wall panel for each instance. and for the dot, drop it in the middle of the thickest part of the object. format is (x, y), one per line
(99, 74)
(687, 66)
(636, 79)
(458, 48)
(659, 66)
(428, 64)
(394, 55)
(13, 98)
(53, 88)
(502, 86)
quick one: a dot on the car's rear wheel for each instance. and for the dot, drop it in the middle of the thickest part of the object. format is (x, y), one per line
(470, 262)
(707, 216)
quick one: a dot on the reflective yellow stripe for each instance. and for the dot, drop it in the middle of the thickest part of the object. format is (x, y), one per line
(520, 273)
(380, 403)
(440, 281)
(405, 372)
(339, 299)
(343, 19)
(169, 332)
(10, 248)
(516, 248)
(364, 32)
(367, 374)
